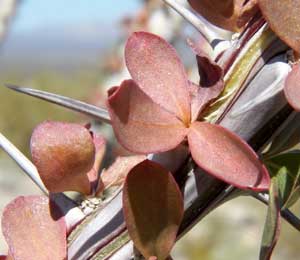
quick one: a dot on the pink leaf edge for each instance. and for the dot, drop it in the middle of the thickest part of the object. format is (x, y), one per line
(155, 66)
(227, 157)
(63, 154)
(140, 125)
(34, 229)
(292, 87)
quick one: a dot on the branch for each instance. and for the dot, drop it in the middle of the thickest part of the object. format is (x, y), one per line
(285, 213)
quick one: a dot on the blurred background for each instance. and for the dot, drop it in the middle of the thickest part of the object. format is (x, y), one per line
(75, 48)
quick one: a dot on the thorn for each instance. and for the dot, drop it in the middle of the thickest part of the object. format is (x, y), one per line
(73, 104)
(210, 33)
(25, 164)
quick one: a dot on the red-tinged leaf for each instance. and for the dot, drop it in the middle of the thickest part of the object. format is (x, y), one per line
(115, 175)
(227, 157)
(6, 257)
(231, 15)
(204, 97)
(153, 209)
(292, 87)
(211, 82)
(34, 229)
(63, 154)
(155, 67)
(283, 18)
(140, 125)
(93, 174)
(272, 224)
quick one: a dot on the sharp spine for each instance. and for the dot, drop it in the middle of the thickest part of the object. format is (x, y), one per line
(73, 104)
(24, 163)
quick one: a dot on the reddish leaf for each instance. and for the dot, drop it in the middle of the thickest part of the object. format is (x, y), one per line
(283, 18)
(227, 157)
(292, 87)
(140, 125)
(231, 15)
(93, 174)
(153, 209)
(33, 230)
(6, 257)
(117, 172)
(155, 67)
(211, 82)
(63, 154)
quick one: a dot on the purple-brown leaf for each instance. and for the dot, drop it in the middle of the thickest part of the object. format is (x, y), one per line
(34, 229)
(155, 67)
(6, 257)
(227, 157)
(63, 154)
(211, 81)
(283, 18)
(93, 174)
(231, 15)
(141, 125)
(292, 87)
(153, 209)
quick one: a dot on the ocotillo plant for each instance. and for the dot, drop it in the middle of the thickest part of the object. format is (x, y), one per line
(196, 145)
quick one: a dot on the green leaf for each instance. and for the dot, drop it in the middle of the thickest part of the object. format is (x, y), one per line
(153, 209)
(287, 139)
(272, 224)
(286, 168)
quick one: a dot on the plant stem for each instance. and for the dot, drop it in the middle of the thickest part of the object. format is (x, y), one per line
(285, 213)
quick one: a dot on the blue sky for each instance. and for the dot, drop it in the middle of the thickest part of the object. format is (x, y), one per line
(36, 14)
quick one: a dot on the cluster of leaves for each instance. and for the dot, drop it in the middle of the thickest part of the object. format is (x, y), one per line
(283, 18)
(68, 158)
(156, 111)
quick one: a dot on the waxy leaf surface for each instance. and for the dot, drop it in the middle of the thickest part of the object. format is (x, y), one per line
(34, 229)
(153, 209)
(231, 15)
(283, 18)
(141, 125)
(292, 87)
(272, 224)
(63, 154)
(211, 82)
(155, 67)
(227, 157)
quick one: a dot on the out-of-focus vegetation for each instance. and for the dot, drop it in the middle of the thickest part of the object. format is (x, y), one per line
(233, 232)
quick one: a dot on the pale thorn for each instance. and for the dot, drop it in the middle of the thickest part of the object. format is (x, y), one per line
(211, 33)
(98, 113)
(25, 164)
